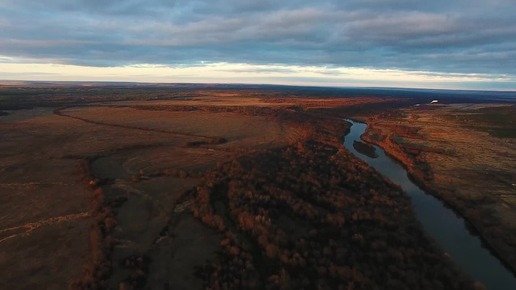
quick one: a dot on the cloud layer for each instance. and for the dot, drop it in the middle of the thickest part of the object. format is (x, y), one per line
(458, 36)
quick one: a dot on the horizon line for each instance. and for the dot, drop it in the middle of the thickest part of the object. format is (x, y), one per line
(12, 82)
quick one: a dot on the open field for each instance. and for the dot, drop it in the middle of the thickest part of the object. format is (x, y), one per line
(44, 193)
(466, 155)
(199, 188)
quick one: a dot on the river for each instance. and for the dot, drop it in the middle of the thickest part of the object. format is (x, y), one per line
(439, 222)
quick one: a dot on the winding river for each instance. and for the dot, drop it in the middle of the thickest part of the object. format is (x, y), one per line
(440, 222)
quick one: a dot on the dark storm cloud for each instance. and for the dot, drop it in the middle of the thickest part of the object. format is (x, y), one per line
(447, 36)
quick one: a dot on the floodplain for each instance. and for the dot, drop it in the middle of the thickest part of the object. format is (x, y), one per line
(199, 187)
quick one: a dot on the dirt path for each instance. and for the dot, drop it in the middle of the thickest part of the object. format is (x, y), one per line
(13, 232)
(213, 139)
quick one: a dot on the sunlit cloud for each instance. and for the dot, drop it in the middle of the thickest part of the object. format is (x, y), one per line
(247, 73)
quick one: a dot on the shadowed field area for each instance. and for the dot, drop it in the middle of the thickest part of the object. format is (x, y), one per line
(202, 190)
(45, 192)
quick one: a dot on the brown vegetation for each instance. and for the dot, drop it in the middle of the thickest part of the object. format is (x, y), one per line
(310, 216)
(279, 203)
(447, 150)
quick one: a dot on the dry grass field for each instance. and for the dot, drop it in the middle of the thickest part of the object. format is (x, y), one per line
(45, 202)
(465, 154)
(239, 131)
(220, 189)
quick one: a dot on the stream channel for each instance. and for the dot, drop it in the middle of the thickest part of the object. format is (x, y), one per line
(440, 222)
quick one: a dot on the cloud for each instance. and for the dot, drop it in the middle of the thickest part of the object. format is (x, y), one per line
(245, 73)
(462, 36)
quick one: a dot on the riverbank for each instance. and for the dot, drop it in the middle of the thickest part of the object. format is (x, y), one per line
(462, 166)
(300, 214)
(441, 224)
(201, 188)
(311, 215)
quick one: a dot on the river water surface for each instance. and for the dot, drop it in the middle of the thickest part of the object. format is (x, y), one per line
(439, 222)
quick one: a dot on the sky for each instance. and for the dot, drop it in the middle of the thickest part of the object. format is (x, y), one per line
(456, 44)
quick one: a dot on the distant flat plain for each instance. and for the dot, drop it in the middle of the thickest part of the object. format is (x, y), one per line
(122, 187)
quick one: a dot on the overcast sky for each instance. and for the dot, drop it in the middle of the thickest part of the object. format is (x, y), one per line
(407, 43)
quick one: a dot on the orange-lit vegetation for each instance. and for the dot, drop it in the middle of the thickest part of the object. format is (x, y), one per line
(464, 154)
(310, 216)
(197, 188)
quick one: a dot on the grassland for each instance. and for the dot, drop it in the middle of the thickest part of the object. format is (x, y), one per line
(44, 191)
(113, 188)
(466, 155)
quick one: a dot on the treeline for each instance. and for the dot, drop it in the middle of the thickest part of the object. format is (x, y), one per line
(103, 210)
(99, 269)
(245, 110)
(394, 142)
(311, 216)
